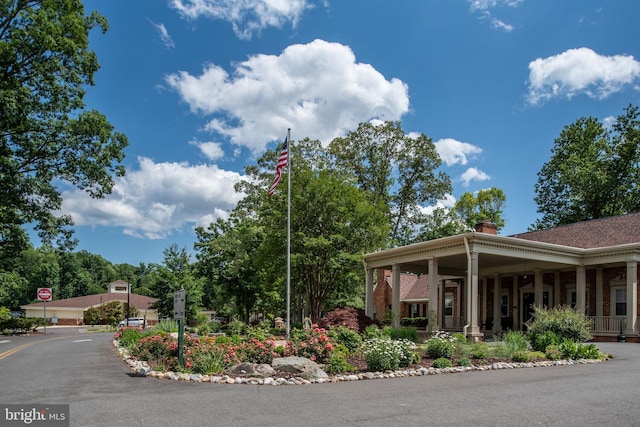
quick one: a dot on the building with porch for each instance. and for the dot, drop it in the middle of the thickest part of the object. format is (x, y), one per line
(591, 265)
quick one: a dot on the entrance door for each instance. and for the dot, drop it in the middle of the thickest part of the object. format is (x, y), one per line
(528, 301)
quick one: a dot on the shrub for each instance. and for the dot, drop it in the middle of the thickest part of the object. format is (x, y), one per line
(568, 348)
(441, 363)
(372, 331)
(480, 351)
(129, 337)
(458, 337)
(257, 351)
(515, 341)
(346, 337)
(438, 347)
(552, 352)
(166, 326)
(387, 355)
(520, 356)
(348, 317)
(545, 339)
(588, 351)
(564, 321)
(417, 322)
(464, 361)
(537, 355)
(409, 334)
(312, 343)
(338, 362)
(236, 327)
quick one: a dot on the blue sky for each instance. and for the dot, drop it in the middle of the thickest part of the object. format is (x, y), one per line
(203, 87)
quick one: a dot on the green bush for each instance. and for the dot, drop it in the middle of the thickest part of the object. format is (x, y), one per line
(409, 334)
(480, 351)
(346, 337)
(129, 337)
(464, 361)
(545, 339)
(372, 331)
(417, 322)
(236, 327)
(167, 326)
(439, 347)
(441, 363)
(588, 351)
(387, 355)
(564, 321)
(515, 341)
(458, 337)
(537, 355)
(552, 352)
(520, 356)
(338, 362)
(569, 349)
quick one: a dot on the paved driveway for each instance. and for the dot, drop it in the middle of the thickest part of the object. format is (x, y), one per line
(81, 369)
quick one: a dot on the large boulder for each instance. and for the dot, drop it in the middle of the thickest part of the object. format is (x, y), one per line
(299, 366)
(251, 369)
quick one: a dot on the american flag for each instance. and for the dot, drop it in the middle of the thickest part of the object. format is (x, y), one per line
(282, 162)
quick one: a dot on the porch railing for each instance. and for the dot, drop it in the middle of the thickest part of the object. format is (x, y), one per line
(608, 324)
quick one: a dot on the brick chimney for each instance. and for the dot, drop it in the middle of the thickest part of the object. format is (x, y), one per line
(486, 226)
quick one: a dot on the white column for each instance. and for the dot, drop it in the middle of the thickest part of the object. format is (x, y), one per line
(434, 306)
(473, 312)
(632, 296)
(497, 294)
(369, 293)
(581, 288)
(484, 303)
(395, 295)
(599, 290)
(538, 287)
(556, 288)
(516, 304)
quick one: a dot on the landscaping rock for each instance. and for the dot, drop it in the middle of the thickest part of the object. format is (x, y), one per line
(251, 369)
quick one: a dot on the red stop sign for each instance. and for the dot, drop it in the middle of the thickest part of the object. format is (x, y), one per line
(44, 294)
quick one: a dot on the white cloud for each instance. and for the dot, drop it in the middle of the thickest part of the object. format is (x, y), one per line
(580, 71)
(211, 150)
(608, 121)
(164, 34)
(454, 152)
(473, 174)
(247, 17)
(447, 203)
(485, 10)
(317, 89)
(157, 199)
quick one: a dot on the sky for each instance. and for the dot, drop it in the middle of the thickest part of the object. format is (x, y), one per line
(202, 88)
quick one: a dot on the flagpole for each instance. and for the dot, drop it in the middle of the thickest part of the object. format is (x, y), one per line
(289, 236)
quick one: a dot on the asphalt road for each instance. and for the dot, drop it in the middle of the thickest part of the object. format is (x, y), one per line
(82, 369)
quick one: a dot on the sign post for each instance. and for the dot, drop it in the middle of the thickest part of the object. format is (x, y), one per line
(44, 295)
(179, 298)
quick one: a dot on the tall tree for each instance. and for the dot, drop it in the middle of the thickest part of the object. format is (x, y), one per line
(593, 172)
(46, 136)
(176, 273)
(399, 172)
(485, 204)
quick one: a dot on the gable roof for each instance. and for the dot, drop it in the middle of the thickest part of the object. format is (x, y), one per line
(412, 286)
(596, 233)
(140, 302)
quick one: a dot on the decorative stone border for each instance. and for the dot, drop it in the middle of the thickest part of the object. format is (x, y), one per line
(141, 368)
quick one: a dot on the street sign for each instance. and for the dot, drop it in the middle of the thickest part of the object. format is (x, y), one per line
(44, 294)
(179, 298)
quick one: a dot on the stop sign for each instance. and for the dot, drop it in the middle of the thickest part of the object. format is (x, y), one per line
(44, 294)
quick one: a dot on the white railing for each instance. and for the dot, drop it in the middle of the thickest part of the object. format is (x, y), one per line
(608, 323)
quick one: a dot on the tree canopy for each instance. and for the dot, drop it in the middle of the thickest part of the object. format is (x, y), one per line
(398, 172)
(46, 136)
(593, 172)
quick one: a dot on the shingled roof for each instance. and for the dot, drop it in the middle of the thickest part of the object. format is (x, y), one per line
(597, 233)
(140, 302)
(412, 286)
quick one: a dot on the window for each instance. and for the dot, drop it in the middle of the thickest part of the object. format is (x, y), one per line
(504, 305)
(448, 305)
(621, 302)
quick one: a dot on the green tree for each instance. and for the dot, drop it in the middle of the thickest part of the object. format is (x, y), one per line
(442, 222)
(593, 172)
(333, 223)
(485, 204)
(176, 273)
(46, 136)
(399, 172)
